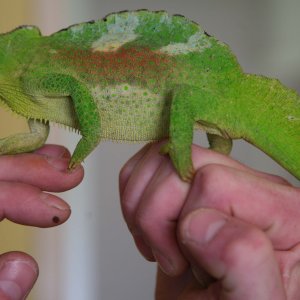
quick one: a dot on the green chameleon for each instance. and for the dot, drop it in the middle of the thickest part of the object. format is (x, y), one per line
(143, 76)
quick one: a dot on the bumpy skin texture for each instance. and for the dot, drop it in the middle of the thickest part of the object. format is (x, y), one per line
(142, 76)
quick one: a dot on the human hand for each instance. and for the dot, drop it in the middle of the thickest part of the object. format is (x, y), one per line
(238, 225)
(23, 180)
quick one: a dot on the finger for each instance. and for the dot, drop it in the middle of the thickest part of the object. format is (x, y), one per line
(49, 173)
(141, 169)
(234, 192)
(130, 165)
(203, 157)
(155, 220)
(27, 205)
(18, 273)
(234, 253)
(172, 287)
(133, 182)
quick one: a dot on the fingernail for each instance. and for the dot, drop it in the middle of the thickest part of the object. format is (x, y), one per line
(61, 153)
(203, 225)
(17, 279)
(58, 164)
(54, 202)
(165, 263)
(58, 152)
(65, 154)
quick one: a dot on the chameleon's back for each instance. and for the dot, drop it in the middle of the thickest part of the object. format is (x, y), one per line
(128, 77)
(131, 61)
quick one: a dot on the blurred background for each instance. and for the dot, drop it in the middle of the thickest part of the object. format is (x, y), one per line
(92, 256)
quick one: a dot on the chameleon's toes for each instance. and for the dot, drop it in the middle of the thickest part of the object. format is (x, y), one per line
(165, 149)
(188, 175)
(181, 161)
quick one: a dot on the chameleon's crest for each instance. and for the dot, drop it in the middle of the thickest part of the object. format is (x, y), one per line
(137, 29)
(29, 30)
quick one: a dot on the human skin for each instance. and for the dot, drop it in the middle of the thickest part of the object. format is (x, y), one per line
(24, 199)
(232, 223)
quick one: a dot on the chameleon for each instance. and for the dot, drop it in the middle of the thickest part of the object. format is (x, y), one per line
(143, 76)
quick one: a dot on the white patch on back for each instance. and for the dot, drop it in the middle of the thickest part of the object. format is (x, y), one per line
(77, 29)
(292, 118)
(118, 33)
(52, 51)
(198, 42)
(30, 27)
(166, 19)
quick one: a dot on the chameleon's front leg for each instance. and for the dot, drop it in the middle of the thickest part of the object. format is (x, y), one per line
(84, 105)
(27, 141)
(181, 132)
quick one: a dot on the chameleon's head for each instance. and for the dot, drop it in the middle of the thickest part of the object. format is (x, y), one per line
(14, 48)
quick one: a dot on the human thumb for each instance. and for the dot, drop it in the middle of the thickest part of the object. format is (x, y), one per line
(18, 273)
(238, 255)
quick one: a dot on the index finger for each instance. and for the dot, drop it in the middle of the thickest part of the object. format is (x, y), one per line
(47, 169)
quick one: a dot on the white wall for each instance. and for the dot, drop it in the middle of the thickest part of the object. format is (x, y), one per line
(92, 257)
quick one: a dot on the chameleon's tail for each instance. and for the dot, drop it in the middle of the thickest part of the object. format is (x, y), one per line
(273, 121)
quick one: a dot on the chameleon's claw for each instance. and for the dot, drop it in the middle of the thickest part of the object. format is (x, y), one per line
(165, 149)
(73, 165)
(189, 175)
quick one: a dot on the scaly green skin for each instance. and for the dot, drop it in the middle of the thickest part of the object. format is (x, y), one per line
(140, 76)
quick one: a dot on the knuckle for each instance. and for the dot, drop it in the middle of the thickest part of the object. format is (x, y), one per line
(151, 225)
(210, 175)
(144, 223)
(251, 246)
(124, 174)
(127, 207)
(213, 183)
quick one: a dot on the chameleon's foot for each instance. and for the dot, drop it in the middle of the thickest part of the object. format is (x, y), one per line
(164, 149)
(188, 175)
(181, 160)
(82, 150)
(73, 165)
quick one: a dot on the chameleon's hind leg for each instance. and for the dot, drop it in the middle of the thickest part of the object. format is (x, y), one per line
(27, 141)
(181, 133)
(219, 143)
(84, 106)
